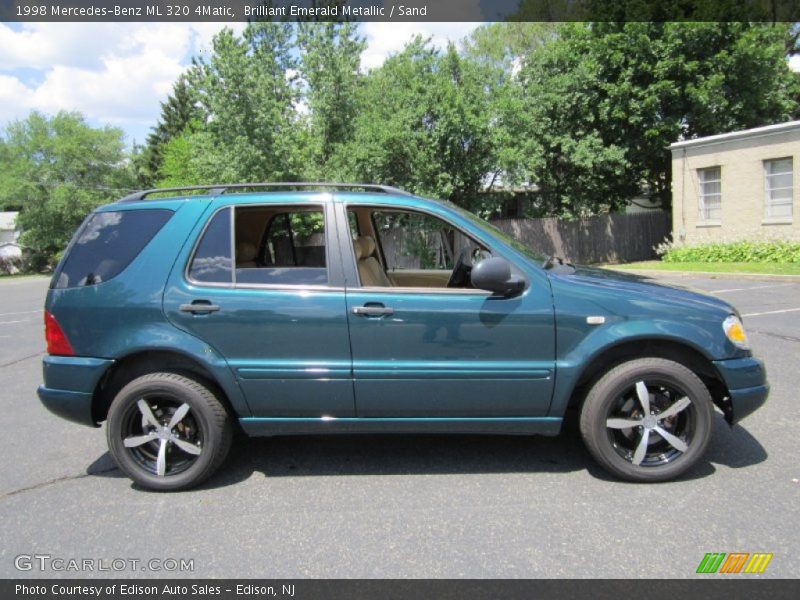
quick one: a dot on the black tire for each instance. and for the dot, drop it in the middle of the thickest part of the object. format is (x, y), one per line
(206, 425)
(614, 402)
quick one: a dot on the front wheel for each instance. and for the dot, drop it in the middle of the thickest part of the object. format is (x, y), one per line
(167, 431)
(647, 420)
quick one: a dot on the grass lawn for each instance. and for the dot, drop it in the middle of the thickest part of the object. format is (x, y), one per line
(761, 268)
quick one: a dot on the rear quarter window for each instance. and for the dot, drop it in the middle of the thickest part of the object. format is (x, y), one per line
(107, 243)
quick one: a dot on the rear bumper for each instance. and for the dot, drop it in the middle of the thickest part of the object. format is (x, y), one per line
(69, 384)
(746, 380)
(72, 406)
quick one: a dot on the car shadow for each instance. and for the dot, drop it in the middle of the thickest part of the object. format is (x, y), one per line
(428, 454)
(431, 454)
(734, 446)
(104, 466)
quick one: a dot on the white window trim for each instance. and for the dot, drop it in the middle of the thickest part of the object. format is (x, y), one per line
(768, 201)
(702, 213)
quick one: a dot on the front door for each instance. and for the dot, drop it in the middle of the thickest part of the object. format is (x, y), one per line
(260, 287)
(422, 349)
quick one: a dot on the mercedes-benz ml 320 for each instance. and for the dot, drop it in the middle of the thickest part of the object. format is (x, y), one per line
(283, 309)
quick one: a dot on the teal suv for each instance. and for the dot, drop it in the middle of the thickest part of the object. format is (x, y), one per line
(283, 309)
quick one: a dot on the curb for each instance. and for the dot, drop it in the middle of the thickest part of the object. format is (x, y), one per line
(709, 274)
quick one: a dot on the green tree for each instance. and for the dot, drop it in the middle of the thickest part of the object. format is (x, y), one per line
(248, 95)
(57, 170)
(7, 202)
(602, 102)
(562, 149)
(664, 82)
(179, 109)
(426, 124)
(180, 159)
(505, 45)
(330, 55)
(502, 48)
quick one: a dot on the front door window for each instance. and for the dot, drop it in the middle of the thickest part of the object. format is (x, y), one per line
(412, 249)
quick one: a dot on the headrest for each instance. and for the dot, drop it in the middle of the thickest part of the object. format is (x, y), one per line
(364, 246)
(245, 252)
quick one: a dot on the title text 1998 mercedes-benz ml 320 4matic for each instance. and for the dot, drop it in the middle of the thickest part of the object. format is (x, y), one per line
(288, 309)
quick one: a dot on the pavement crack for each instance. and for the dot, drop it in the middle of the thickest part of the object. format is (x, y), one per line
(788, 338)
(19, 360)
(56, 480)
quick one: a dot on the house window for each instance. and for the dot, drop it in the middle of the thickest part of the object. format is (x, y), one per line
(778, 183)
(710, 193)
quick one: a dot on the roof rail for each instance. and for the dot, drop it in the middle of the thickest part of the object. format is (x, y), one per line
(220, 188)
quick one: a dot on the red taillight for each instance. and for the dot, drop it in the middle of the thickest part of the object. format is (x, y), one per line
(57, 342)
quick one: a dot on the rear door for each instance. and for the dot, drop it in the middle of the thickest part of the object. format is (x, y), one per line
(262, 286)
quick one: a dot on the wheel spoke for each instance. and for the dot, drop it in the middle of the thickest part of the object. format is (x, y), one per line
(644, 397)
(161, 463)
(148, 415)
(179, 414)
(673, 441)
(138, 440)
(187, 447)
(676, 407)
(641, 449)
(623, 423)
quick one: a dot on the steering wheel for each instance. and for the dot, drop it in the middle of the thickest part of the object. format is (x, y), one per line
(459, 278)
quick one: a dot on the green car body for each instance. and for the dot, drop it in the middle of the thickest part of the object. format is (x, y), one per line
(339, 356)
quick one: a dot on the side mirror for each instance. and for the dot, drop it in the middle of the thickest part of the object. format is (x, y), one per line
(494, 275)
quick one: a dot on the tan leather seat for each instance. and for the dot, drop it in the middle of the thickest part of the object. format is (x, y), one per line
(369, 269)
(246, 255)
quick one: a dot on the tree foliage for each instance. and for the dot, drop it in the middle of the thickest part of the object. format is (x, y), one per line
(177, 112)
(426, 124)
(276, 104)
(562, 145)
(581, 112)
(602, 103)
(585, 112)
(248, 94)
(330, 56)
(57, 170)
(505, 45)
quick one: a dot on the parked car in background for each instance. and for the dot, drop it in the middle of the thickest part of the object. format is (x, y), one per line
(286, 309)
(10, 258)
(10, 250)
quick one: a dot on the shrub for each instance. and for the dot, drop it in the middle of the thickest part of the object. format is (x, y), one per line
(773, 251)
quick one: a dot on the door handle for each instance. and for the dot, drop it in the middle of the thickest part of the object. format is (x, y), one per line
(199, 306)
(372, 310)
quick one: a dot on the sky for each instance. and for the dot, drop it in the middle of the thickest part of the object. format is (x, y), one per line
(118, 73)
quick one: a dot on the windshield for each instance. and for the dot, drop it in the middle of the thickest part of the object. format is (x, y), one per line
(485, 225)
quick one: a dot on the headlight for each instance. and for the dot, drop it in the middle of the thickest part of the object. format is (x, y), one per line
(734, 331)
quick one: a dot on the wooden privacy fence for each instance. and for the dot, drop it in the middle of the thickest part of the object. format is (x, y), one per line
(611, 238)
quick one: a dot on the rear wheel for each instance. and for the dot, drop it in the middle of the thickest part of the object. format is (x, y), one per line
(647, 420)
(167, 431)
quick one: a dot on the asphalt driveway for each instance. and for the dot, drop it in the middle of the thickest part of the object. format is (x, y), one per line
(405, 506)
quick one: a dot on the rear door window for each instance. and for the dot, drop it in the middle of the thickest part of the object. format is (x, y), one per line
(352, 218)
(107, 243)
(212, 260)
(274, 245)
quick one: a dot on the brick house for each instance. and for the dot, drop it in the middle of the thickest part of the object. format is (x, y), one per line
(738, 185)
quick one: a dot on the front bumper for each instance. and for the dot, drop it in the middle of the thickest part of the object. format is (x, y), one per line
(69, 384)
(746, 380)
